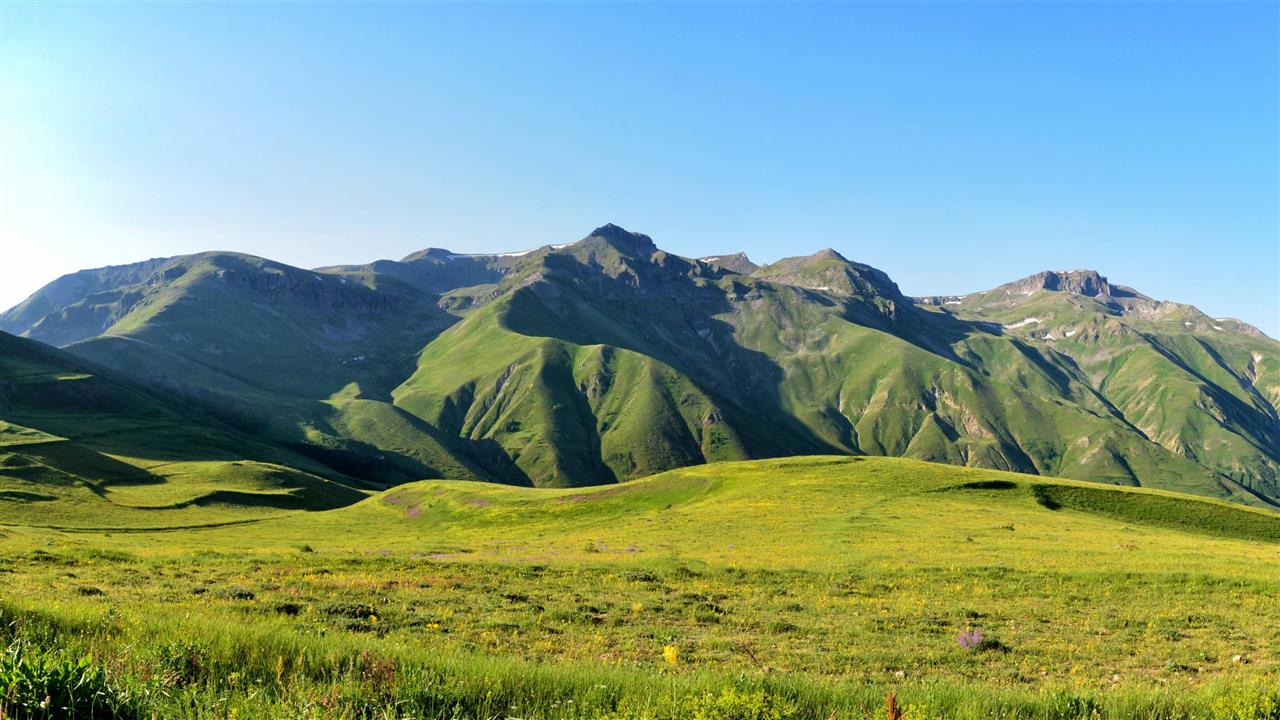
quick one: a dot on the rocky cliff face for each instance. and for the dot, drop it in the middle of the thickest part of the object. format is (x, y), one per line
(1082, 282)
(1088, 283)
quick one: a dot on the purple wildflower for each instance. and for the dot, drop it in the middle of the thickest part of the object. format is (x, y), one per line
(969, 639)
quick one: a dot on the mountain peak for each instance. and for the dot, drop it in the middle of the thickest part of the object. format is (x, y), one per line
(1089, 283)
(617, 232)
(843, 277)
(431, 253)
(629, 243)
(735, 262)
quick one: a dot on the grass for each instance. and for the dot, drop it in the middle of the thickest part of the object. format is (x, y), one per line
(13, 435)
(800, 588)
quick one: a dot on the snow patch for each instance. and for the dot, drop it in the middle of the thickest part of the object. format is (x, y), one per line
(1022, 323)
(1069, 333)
(1050, 336)
(526, 252)
(1217, 327)
(952, 302)
(518, 253)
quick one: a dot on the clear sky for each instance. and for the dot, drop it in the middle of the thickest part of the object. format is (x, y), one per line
(955, 146)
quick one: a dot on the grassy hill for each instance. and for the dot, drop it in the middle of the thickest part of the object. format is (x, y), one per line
(784, 588)
(810, 512)
(814, 512)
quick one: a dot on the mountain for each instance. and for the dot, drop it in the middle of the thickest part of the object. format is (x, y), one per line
(1204, 388)
(609, 358)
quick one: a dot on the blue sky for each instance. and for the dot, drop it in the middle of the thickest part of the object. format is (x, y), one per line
(955, 146)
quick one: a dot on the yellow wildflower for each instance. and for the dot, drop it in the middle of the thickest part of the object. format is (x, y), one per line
(671, 654)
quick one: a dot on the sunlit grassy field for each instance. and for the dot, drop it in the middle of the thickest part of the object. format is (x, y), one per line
(799, 588)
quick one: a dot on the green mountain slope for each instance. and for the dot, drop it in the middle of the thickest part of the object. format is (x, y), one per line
(81, 445)
(296, 356)
(567, 413)
(609, 359)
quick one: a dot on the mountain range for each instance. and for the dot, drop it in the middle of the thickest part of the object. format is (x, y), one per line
(608, 359)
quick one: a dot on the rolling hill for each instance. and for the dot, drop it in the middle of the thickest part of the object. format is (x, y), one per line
(812, 512)
(81, 446)
(610, 359)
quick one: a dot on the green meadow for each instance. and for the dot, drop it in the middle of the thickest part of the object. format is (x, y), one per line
(817, 587)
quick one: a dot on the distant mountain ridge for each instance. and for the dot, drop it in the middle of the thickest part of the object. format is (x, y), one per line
(1089, 283)
(609, 358)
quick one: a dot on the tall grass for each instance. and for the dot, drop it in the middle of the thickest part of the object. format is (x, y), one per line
(81, 661)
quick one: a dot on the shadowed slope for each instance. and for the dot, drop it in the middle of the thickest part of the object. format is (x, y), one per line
(97, 444)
